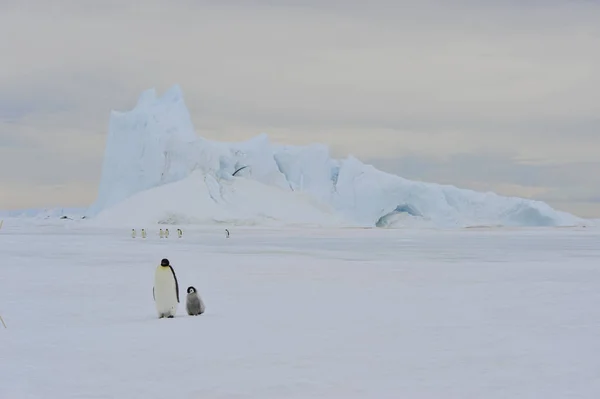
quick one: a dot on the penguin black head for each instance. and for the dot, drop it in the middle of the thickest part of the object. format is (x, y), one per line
(191, 290)
(164, 262)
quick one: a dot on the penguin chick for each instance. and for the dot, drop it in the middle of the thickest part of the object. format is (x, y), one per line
(194, 304)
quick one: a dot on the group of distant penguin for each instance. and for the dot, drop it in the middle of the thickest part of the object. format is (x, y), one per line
(161, 233)
(166, 293)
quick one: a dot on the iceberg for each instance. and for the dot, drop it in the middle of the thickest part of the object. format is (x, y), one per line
(157, 170)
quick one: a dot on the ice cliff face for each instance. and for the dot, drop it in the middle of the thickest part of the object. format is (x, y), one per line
(154, 144)
(141, 148)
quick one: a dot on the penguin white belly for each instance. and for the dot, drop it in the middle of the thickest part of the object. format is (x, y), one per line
(165, 292)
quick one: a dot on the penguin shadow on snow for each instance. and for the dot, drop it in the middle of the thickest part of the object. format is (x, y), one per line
(166, 293)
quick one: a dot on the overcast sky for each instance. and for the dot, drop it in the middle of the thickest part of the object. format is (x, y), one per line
(491, 95)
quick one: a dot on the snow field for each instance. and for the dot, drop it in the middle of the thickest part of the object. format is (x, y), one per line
(297, 313)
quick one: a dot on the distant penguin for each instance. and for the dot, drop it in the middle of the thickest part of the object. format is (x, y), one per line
(226, 233)
(166, 290)
(194, 304)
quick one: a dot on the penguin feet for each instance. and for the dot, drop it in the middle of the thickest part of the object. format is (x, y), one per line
(170, 316)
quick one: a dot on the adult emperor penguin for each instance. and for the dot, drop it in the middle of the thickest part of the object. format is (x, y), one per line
(166, 290)
(193, 303)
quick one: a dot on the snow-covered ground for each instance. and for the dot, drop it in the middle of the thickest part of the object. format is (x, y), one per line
(311, 313)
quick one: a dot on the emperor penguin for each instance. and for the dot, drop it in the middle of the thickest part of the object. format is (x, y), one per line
(165, 290)
(194, 304)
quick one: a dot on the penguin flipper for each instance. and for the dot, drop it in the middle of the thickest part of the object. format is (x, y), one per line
(176, 283)
(153, 297)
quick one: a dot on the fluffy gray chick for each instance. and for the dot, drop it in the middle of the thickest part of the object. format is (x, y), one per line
(194, 304)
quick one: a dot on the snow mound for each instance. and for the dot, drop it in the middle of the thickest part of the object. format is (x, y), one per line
(201, 199)
(157, 170)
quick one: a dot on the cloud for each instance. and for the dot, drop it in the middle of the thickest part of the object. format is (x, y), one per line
(380, 79)
(26, 195)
